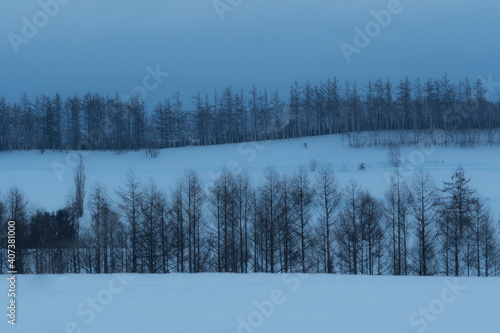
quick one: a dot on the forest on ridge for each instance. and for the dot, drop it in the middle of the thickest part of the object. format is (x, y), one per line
(407, 110)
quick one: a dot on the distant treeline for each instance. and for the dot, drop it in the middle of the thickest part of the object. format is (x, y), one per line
(304, 222)
(95, 122)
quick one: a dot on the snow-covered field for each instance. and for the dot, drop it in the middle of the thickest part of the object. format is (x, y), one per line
(250, 303)
(47, 178)
(224, 303)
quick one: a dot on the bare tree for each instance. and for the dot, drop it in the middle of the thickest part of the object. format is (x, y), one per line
(194, 198)
(397, 219)
(99, 206)
(269, 206)
(130, 201)
(177, 220)
(371, 234)
(483, 236)
(287, 230)
(222, 200)
(347, 231)
(458, 204)
(328, 201)
(423, 207)
(244, 209)
(79, 178)
(153, 213)
(303, 199)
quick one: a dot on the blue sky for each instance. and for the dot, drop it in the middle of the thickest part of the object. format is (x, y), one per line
(105, 46)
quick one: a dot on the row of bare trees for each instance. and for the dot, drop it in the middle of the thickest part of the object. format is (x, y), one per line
(467, 112)
(304, 222)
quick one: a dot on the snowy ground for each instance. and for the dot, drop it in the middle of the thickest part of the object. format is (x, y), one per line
(251, 303)
(47, 178)
(223, 303)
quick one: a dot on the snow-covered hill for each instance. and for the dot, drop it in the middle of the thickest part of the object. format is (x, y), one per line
(47, 178)
(254, 303)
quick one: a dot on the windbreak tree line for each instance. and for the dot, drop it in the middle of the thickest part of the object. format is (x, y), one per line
(305, 222)
(406, 110)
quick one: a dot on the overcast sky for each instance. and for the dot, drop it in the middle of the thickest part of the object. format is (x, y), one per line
(105, 46)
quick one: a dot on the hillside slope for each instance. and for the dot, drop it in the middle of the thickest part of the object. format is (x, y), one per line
(47, 178)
